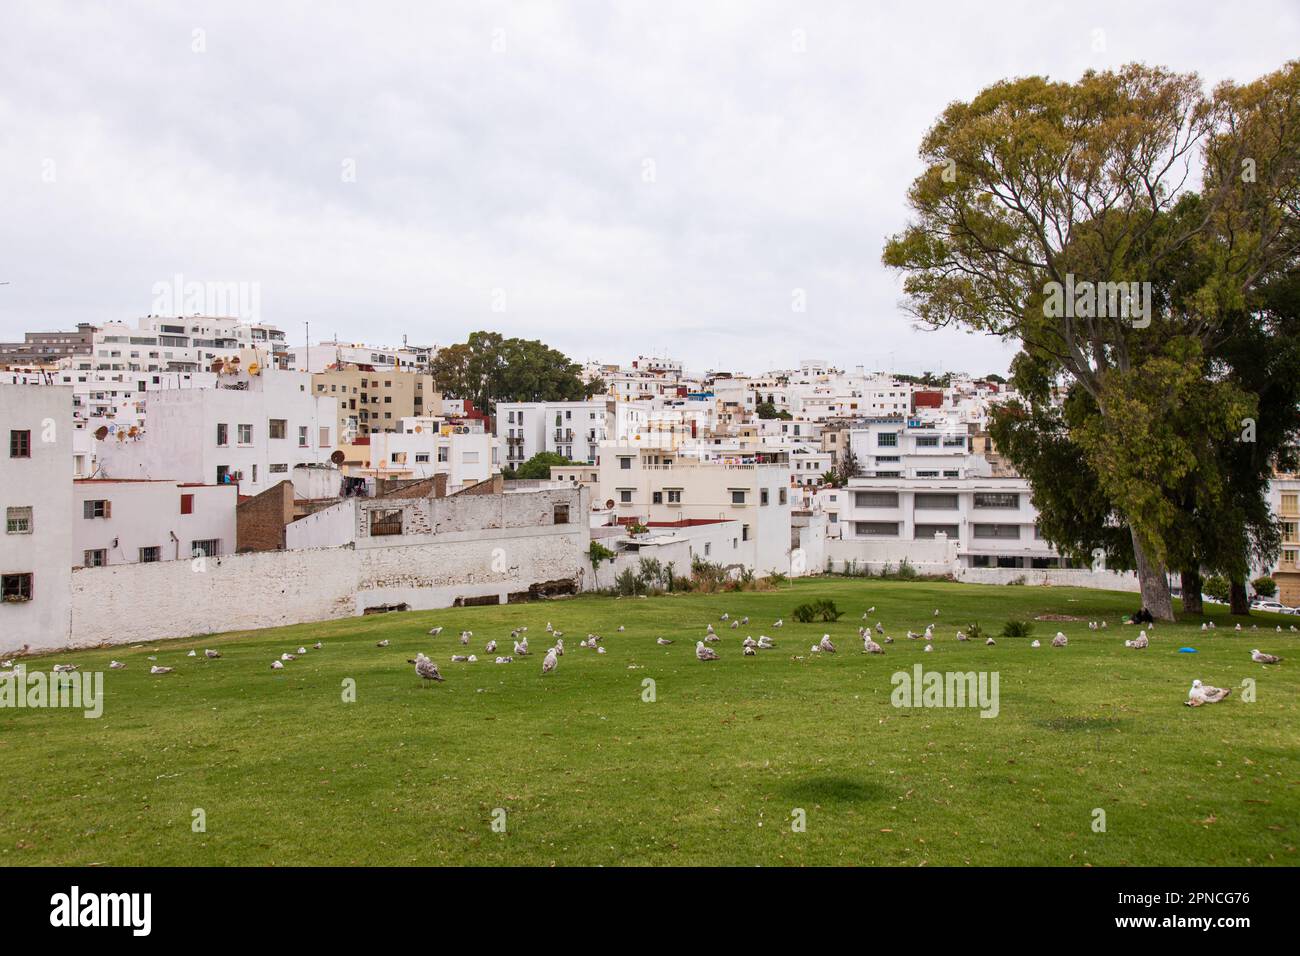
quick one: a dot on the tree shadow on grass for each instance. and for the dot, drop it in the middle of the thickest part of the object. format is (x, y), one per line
(827, 789)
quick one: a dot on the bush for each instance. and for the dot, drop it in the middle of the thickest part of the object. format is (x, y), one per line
(975, 632)
(1265, 586)
(905, 571)
(1216, 586)
(776, 578)
(627, 583)
(1014, 628)
(820, 610)
(597, 553)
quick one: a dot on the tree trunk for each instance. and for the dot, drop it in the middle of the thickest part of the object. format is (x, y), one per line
(1154, 582)
(1192, 603)
(1238, 600)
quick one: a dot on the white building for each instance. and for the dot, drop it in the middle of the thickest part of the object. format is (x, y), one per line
(251, 431)
(572, 429)
(35, 573)
(132, 521)
(325, 355)
(425, 447)
(653, 487)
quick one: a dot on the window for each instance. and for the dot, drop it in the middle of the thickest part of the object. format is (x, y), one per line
(991, 499)
(674, 496)
(875, 499)
(744, 532)
(324, 436)
(386, 521)
(469, 458)
(18, 520)
(98, 508)
(421, 458)
(737, 496)
(302, 436)
(886, 440)
(562, 513)
(924, 531)
(16, 587)
(1004, 531)
(708, 548)
(657, 497)
(187, 504)
(223, 434)
(150, 555)
(279, 468)
(1289, 556)
(762, 496)
(625, 496)
(927, 441)
(782, 496)
(246, 434)
(95, 558)
(936, 502)
(442, 453)
(1290, 502)
(207, 547)
(625, 464)
(20, 445)
(876, 529)
(277, 427)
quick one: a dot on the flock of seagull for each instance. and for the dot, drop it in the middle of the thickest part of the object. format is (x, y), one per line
(427, 670)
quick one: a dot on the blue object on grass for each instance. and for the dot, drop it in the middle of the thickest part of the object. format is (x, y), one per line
(1186, 650)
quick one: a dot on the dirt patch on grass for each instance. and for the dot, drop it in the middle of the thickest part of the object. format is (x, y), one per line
(1059, 617)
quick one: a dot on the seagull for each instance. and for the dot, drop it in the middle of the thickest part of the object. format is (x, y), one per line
(435, 631)
(212, 655)
(889, 640)
(705, 653)
(815, 649)
(116, 665)
(961, 636)
(765, 642)
(779, 622)
(1204, 626)
(1060, 640)
(749, 651)
(1140, 643)
(521, 647)
(555, 634)
(159, 670)
(912, 635)
(1205, 694)
(68, 668)
(880, 628)
(455, 659)
(990, 642)
(426, 668)
(505, 660)
(302, 650)
(620, 628)
(464, 637)
(826, 644)
(929, 632)
(871, 647)
(1035, 643)
(1239, 627)
(662, 640)
(936, 612)
(192, 653)
(871, 610)
(712, 638)
(600, 650)
(548, 627)
(749, 642)
(383, 643)
(288, 657)
(276, 666)
(473, 659)
(708, 629)
(559, 647)
(725, 616)
(745, 620)
(1261, 658)
(736, 624)
(318, 645)
(549, 663)
(491, 647)
(929, 647)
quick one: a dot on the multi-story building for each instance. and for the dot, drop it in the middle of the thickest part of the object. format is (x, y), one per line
(373, 400)
(47, 348)
(424, 447)
(1284, 496)
(133, 521)
(326, 355)
(36, 488)
(251, 431)
(912, 448)
(650, 485)
(572, 429)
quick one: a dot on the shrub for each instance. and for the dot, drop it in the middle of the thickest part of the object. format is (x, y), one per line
(597, 553)
(974, 631)
(776, 578)
(1014, 628)
(905, 571)
(822, 609)
(627, 583)
(1216, 586)
(1264, 586)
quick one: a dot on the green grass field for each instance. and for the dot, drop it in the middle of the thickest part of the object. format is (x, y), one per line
(709, 772)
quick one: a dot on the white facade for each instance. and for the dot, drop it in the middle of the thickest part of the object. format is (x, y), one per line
(425, 448)
(325, 355)
(572, 429)
(130, 522)
(251, 432)
(36, 488)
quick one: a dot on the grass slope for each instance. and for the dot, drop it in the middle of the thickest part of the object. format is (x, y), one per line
(708, 773)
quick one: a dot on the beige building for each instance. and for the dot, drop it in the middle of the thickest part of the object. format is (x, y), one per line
(1285, 495)
(376, 401)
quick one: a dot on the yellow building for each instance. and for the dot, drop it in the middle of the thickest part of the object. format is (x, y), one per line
(375, 401)
(1287, 572)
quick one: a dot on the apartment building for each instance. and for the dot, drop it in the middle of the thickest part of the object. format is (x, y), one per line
(572, 429)
(424, 447)
(329, 355)
(135, 521)
(376, 400)
(651, 486)
(251, 431)
(36, 488)
(1284, 497)
(912, 448)
(47, 348)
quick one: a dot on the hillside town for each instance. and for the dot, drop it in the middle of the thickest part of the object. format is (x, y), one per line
(181, 475)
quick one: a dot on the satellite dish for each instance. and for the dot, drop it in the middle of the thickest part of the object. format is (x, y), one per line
(337, 457)
(254, 368)
(418, 429)
(101, 432)
(609, 502)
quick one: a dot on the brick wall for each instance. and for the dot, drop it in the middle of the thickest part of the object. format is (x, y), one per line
(260, 521)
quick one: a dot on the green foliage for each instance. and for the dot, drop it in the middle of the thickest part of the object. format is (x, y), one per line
(1218, 587)
(906, 572)
(1017, 628)
(637, 528)
(767, 411)
(489, 368)
(1264, 586)
(974, 631)
(539, 466)
(821, 609)
(627, 583)
(597, 552)
(777, 578)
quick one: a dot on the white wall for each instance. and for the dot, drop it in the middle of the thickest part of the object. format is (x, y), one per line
(148, 514)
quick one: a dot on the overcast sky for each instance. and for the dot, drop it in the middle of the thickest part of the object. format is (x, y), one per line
(662, 179)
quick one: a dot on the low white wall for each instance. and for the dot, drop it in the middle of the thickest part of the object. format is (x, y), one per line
(1057, 577)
